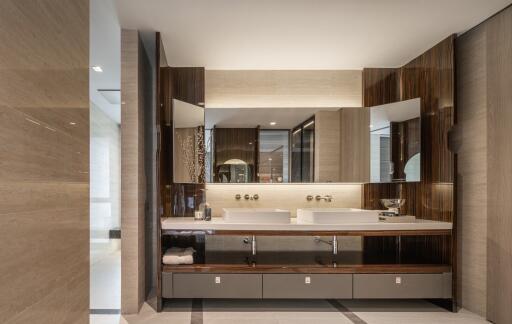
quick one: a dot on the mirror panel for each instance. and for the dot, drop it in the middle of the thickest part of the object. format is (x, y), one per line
(395, 141)
(189, 143)
(323, 145)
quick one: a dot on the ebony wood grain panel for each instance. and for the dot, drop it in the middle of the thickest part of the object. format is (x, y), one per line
(380, 86)
(185, 84)
(188, 84)
(236, 143)
(430, 77)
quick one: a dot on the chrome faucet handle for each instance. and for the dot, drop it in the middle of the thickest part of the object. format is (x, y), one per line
(318, 198)
(309, 197)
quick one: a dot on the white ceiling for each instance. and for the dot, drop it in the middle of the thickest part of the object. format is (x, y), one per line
(301, 34)
(105, 51)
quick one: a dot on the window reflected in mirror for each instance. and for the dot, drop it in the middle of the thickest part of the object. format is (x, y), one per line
(273, 156)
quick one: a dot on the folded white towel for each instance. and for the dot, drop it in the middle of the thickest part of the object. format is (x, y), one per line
(176, 255)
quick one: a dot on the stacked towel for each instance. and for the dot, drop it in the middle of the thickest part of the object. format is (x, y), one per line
(176, 255)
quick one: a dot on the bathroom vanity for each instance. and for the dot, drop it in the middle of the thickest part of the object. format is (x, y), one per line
(396, 146)
(312, 274)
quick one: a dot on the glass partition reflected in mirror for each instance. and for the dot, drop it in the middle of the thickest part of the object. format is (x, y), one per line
(189, 143)
(395, 142)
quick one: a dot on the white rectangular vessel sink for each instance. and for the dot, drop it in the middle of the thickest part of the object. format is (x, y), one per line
(256, 215)
(336, 216)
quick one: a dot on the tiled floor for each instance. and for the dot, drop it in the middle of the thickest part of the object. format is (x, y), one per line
(295, 312)
(105, 289)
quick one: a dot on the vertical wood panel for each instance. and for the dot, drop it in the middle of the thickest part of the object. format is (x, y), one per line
(188, 84)
(380, 86)
(132, 174)
(499, 166)
(44, 161)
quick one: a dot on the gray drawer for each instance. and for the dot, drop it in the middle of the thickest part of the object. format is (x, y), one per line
(205, 285)
(307, 286)
(166, 285)
(438, 285)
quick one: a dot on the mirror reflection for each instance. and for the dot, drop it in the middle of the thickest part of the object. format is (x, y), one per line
(297, 145)
(188, 127)
(395, 142)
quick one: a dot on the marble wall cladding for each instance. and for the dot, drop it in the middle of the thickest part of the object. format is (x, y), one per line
(499, 167)
(327, 146)
(282, 88)
(44, 161)
(133, 180)
(286, 196)
(472, 170)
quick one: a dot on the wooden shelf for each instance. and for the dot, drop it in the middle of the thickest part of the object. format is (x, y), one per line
(287, 268)
(302, 262)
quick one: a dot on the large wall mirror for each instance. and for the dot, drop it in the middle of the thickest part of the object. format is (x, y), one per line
(297, 145)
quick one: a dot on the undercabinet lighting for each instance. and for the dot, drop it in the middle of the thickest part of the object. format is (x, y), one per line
(273, 123)
(97, 68)
(298, 130)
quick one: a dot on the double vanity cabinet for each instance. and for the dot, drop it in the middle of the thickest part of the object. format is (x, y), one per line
(310, 286)
(312, 274)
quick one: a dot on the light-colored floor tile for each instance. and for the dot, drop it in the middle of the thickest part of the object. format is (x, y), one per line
(104, 319)
(408, 311)
(177, 312)
(306, 311)
(105, 289)
(302, 312)
(338, 320)
(240, 321)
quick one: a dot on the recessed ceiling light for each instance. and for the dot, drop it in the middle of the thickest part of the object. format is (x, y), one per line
(273, 123)
(72, 123)
(97, 68)
(371, 126)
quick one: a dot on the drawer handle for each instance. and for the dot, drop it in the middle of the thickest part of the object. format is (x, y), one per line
(217, 280)
(398, 280)
(307, 280)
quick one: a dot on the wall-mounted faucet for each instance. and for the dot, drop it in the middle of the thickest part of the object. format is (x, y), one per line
(247, 197)
(327, 198)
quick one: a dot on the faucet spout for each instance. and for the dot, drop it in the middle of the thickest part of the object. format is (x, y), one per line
(327, 198)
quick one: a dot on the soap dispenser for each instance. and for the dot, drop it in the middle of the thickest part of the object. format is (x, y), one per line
(203, 211)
